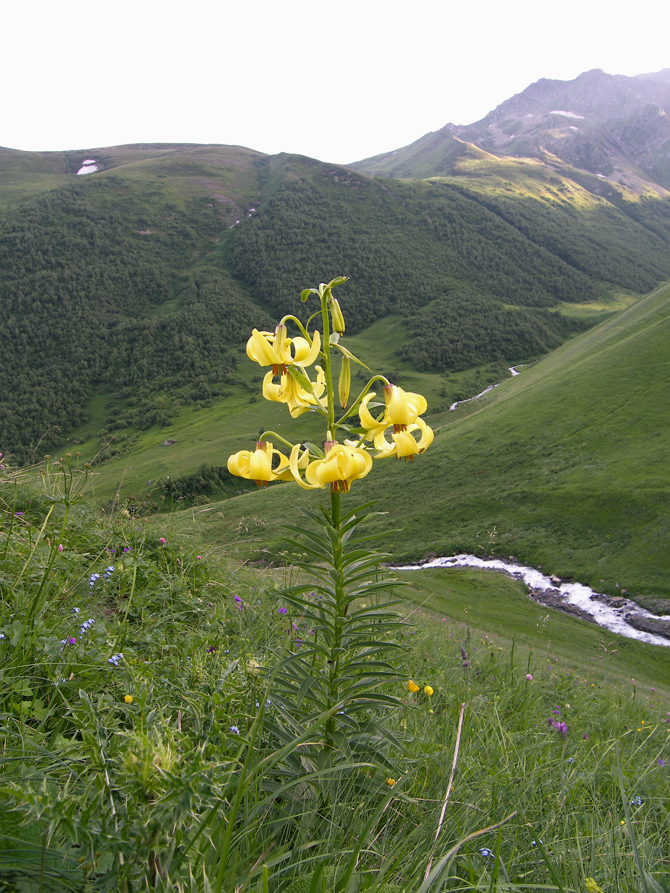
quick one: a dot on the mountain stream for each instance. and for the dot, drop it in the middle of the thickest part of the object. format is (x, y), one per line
(617, 614)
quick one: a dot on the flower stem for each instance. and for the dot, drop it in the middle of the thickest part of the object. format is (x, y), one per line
(330, 392)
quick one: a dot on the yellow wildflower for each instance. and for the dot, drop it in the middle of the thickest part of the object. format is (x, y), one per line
(276, 350)
(257, 466)
(412, 686)
(428, 691)
(291, 392)
(404, 445)
(270, 348)
(128, 699)
(342, 464)
(390, 782)
(402, 409)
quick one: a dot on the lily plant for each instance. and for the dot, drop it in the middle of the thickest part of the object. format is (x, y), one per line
(346, 647)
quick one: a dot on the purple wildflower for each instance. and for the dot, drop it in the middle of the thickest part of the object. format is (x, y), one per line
(558, 725)
(281, 610)
(661, 762)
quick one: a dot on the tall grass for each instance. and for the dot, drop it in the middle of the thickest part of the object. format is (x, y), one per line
(137, 747)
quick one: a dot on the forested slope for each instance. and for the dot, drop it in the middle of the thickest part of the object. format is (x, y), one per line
(99, 291)
(130, 292)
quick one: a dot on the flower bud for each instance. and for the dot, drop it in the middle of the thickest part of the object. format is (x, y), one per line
(336, 314)
(345, 382)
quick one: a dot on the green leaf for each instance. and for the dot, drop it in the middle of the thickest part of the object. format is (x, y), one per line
(348, 353)
(302, 379)
(339, 280)
(314, 449)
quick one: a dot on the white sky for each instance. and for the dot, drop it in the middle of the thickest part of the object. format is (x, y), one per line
(338, 82)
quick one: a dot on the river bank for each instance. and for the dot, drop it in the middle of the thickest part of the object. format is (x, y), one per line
(617, 614)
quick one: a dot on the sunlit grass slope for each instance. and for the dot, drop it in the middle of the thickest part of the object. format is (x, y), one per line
(565, 466)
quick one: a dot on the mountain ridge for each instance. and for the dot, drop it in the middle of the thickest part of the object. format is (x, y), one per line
(614, 126)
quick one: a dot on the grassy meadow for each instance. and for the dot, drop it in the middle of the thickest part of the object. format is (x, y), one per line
(173, 713)
(148, 743)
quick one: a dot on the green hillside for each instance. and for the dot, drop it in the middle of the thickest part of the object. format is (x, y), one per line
(127, 293)
(566, 467)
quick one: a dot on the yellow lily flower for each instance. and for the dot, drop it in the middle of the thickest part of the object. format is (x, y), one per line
(342, 464)
(270, 348)
(290, 392)
(257, 466)
(404, 445)
(402, 409)
(277, 350)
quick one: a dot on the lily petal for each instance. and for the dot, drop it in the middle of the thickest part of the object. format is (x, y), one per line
(304, 353)
(403, 444)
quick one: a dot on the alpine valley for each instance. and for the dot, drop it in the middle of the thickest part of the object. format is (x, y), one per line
(539, 237)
